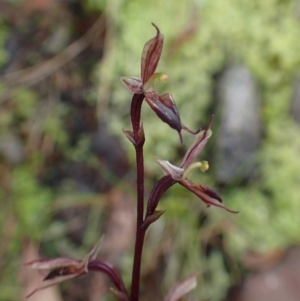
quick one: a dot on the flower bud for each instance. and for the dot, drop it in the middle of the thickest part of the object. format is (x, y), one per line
(165, 108)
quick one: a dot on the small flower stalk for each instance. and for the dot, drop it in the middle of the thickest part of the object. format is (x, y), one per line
(58, 270)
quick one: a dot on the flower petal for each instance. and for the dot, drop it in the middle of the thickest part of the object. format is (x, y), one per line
(133, 84)
(207, 195)
(169, 169)
(51, 264)
(151, 55)
(196, 147)
(54, 281)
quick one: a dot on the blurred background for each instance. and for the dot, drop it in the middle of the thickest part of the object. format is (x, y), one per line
(67, 172)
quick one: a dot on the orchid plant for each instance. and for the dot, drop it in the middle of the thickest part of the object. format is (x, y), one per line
(62, 269)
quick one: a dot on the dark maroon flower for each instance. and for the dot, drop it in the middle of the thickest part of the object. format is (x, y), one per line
(179, 174)
(150, 58)
(62, 269)
(163, 105)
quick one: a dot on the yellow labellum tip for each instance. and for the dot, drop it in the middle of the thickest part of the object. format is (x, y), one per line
(204, 166)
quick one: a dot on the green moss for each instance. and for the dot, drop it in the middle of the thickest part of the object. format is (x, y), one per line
(25, 102)
(31, 202)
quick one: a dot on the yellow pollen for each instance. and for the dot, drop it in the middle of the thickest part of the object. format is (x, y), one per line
(203, 166)
(163, 77)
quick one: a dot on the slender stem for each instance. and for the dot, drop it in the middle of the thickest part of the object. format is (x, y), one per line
(135, 113)
(140, 233)
(140, 185)
(136, 271)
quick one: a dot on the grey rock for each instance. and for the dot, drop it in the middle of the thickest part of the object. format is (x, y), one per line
(11, 148)
(239, 131)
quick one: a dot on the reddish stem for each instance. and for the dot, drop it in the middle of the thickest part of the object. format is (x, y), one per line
(135, 113)
(136, 271)
(136, 106)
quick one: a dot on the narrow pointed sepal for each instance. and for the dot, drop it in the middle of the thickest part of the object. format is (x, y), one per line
(151, 55)
(169, 169)
(207, 195)
(133, 84)
(152, 218)
(196, 147)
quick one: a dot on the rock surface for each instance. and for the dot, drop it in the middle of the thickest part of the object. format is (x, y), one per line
(239, 131)
(11, 148)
